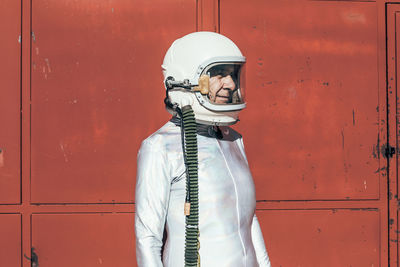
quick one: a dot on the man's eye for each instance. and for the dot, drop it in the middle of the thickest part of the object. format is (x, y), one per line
(226, 74)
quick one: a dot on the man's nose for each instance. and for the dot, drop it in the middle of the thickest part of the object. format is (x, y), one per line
(228, 82)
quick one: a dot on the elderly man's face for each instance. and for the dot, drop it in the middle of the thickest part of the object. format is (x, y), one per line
(221, 87)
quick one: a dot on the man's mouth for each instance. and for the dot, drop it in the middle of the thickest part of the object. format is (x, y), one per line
(223, 96)
(223, 90)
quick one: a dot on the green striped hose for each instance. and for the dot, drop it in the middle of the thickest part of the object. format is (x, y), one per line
(189, 145)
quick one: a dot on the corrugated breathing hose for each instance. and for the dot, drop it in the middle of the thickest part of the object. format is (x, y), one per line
(189, 146)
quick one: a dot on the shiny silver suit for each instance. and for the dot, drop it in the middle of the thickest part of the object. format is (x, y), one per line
(230, 234)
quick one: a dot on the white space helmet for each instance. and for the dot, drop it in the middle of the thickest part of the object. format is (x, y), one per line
(206, 71)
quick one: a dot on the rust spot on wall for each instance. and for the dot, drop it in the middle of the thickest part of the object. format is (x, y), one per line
(375, 149)
(381, 169)
(342, 138)
(1, 158)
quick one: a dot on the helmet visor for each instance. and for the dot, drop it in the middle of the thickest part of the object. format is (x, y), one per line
(226, 83)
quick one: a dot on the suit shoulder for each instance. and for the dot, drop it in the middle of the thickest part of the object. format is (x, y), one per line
(162, 137)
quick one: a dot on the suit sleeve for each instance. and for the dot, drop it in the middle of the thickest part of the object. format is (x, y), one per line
(258, 243)
(151, 204)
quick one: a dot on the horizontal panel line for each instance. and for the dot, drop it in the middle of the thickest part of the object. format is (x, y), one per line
(348, 1)
(72, 212)
(28, 209)
(72, 203)
(332, 209)
(315, 200)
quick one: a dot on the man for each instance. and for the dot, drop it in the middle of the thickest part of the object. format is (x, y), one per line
(193, 178)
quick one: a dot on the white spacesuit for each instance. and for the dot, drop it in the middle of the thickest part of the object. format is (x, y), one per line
(204, 71)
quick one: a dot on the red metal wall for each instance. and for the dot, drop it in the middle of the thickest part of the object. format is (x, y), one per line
(82, 88)
(312, 129)
(10, 27)
(393, 78)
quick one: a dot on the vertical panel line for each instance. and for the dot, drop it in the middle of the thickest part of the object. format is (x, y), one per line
(396, 134)
(387, 132)
(395, 109)
(20, 108)
(218, 16)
